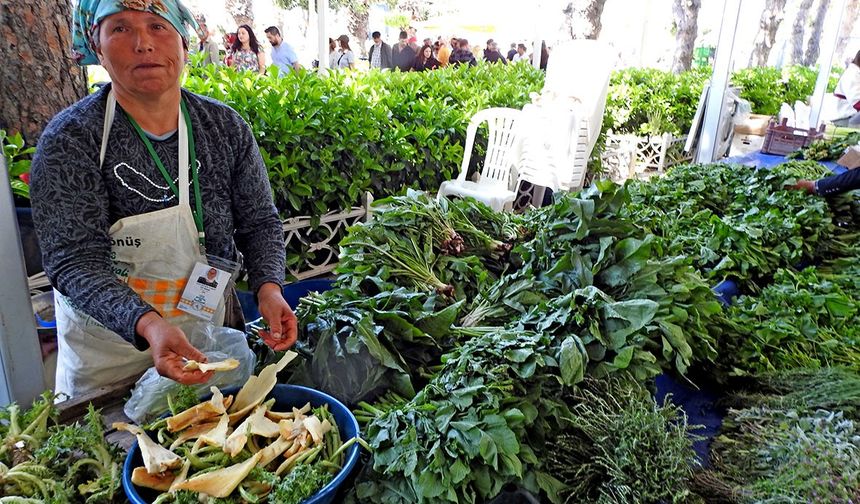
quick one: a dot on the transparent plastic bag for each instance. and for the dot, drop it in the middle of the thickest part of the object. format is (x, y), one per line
(149, 395)
(743, 110)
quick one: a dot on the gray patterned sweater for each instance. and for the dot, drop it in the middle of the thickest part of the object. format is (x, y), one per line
(75, 202)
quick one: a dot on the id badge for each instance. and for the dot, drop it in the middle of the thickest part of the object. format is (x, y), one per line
(204, 291)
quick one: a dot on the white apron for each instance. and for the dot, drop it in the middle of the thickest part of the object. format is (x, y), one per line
(153, 253)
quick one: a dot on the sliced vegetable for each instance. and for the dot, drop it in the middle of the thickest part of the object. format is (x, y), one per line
(161, 482)
(258, 387)
(224, 365)
(222, 482)
(200, 413)
(156, 458)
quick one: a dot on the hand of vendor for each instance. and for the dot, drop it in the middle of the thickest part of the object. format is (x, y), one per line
(282, 321)
(170, 349)
(803, 185)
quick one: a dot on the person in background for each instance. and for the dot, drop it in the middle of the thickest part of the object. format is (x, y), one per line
(492, 54)
(413, 44)
(544, 55)
(380, 53)
(401, 54)
(443, 52)
(119, 237)
(283, 55)
(520, 55)
(512, 52)
(246, 53)
(345, 58)
(208, 46)
(333, 52)
(427, 41)
(848, 93)
(425, 60)
(463, 55)
(228, 41)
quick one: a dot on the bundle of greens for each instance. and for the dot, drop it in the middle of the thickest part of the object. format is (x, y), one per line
(475, 426)
(827, 150)
(804, 390)
(651, 310)
(736, 221)
(363, 345)
(56, 464)
(620, 446)
(776, 455)
(805, 319)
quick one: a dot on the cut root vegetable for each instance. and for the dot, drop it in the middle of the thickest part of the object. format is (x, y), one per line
(257, 388)
(156, 458)
(224, 365)
(160, 482)
(222, 482)
(200, 413)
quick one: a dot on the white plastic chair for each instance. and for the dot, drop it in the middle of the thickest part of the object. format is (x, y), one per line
(496, 185)
(562, 126)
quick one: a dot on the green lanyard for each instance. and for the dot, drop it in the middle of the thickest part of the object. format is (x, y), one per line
(197, 210)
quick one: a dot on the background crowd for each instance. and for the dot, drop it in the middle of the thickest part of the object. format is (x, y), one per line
(243, 50)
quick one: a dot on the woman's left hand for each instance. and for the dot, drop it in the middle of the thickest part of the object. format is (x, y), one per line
(277, 312)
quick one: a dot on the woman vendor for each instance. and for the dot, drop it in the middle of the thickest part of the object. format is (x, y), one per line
(135, 188)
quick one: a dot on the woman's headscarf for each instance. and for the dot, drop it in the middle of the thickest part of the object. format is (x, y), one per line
(89, 13)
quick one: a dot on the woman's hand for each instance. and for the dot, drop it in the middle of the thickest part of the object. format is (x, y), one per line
(277, 312)
(170, 349)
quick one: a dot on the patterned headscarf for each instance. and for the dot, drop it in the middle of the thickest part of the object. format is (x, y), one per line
(89, 13)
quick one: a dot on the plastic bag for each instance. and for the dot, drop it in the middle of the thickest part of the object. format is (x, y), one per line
(786, 112)
(801, 115)
(149, 396)
(743, 107)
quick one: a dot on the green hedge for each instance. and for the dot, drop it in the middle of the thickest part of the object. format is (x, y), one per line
(326, 140)
(767, 88)
(647, 101)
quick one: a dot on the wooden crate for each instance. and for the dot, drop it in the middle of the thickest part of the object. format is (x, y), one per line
(782, 139)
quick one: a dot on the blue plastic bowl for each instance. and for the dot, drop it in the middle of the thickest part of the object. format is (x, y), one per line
(286, 396)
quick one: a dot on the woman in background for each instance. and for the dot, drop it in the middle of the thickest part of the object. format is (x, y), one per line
(246, 53)
(425, 60)
(346, 58)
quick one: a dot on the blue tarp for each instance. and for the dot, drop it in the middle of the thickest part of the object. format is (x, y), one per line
(762, 160)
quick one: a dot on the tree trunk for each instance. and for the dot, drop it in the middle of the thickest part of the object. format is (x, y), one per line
(771, 17)
(359, 17)
(582, 18)
(797, 31)
(849, 17)
(812, 47)
(686, 14)
(38, 77)
(241, 10)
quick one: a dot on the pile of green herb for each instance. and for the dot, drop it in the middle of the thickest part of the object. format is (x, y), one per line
(470, 317)
(804, 390)
(620, 446)
(774, 455)
(475, 426)
(803, 319)
(42, 461)
(739, 222)
(405, 295)
(827, 150)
